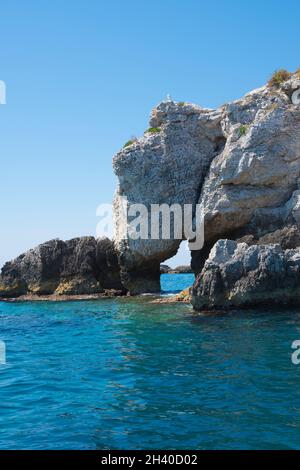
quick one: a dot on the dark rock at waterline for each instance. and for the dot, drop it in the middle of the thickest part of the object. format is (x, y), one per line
(74, 267)
(237, 275)
(144, 280)
(107, 264)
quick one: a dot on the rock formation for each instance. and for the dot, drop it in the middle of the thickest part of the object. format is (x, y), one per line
(78, 266)
(237, 275)
(252, 187)
(241, 163)
(166, 166)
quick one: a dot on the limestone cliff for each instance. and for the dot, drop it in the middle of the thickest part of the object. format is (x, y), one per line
(241, 163)
(237, 276)
(252, 186)
(167, 165)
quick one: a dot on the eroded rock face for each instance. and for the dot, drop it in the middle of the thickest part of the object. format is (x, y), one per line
(78, 266)
(166, 166)
(108, 271)
(252, 187)
(241, 163)
(237, 275)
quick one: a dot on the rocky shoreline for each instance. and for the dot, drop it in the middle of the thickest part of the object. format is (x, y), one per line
(109, 294)
(240, 163)
(81, 266)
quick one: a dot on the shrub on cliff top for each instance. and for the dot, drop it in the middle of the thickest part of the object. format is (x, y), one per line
(278, 77)
(153, 130)
(130, 142)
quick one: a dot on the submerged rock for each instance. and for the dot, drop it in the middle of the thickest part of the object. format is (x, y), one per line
(75, 267)
(237, 275)
(183, 297)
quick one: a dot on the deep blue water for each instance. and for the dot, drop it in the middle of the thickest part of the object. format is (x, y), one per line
(130, 374)
(171, 283)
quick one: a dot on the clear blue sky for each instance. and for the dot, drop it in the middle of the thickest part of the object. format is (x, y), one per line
(82, 77)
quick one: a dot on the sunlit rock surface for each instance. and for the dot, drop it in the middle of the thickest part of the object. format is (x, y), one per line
(241, 163)
(237, 276)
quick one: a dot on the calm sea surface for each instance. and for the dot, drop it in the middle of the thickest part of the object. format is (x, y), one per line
(130, 374)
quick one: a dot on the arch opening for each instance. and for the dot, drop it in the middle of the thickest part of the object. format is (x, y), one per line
(176, 273)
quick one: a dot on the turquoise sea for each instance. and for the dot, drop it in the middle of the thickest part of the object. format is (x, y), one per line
(130, 374)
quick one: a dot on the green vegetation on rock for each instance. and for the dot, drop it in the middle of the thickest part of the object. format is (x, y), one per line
(153, 130)
(243, 130)
(279, 76)
(129, 142)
